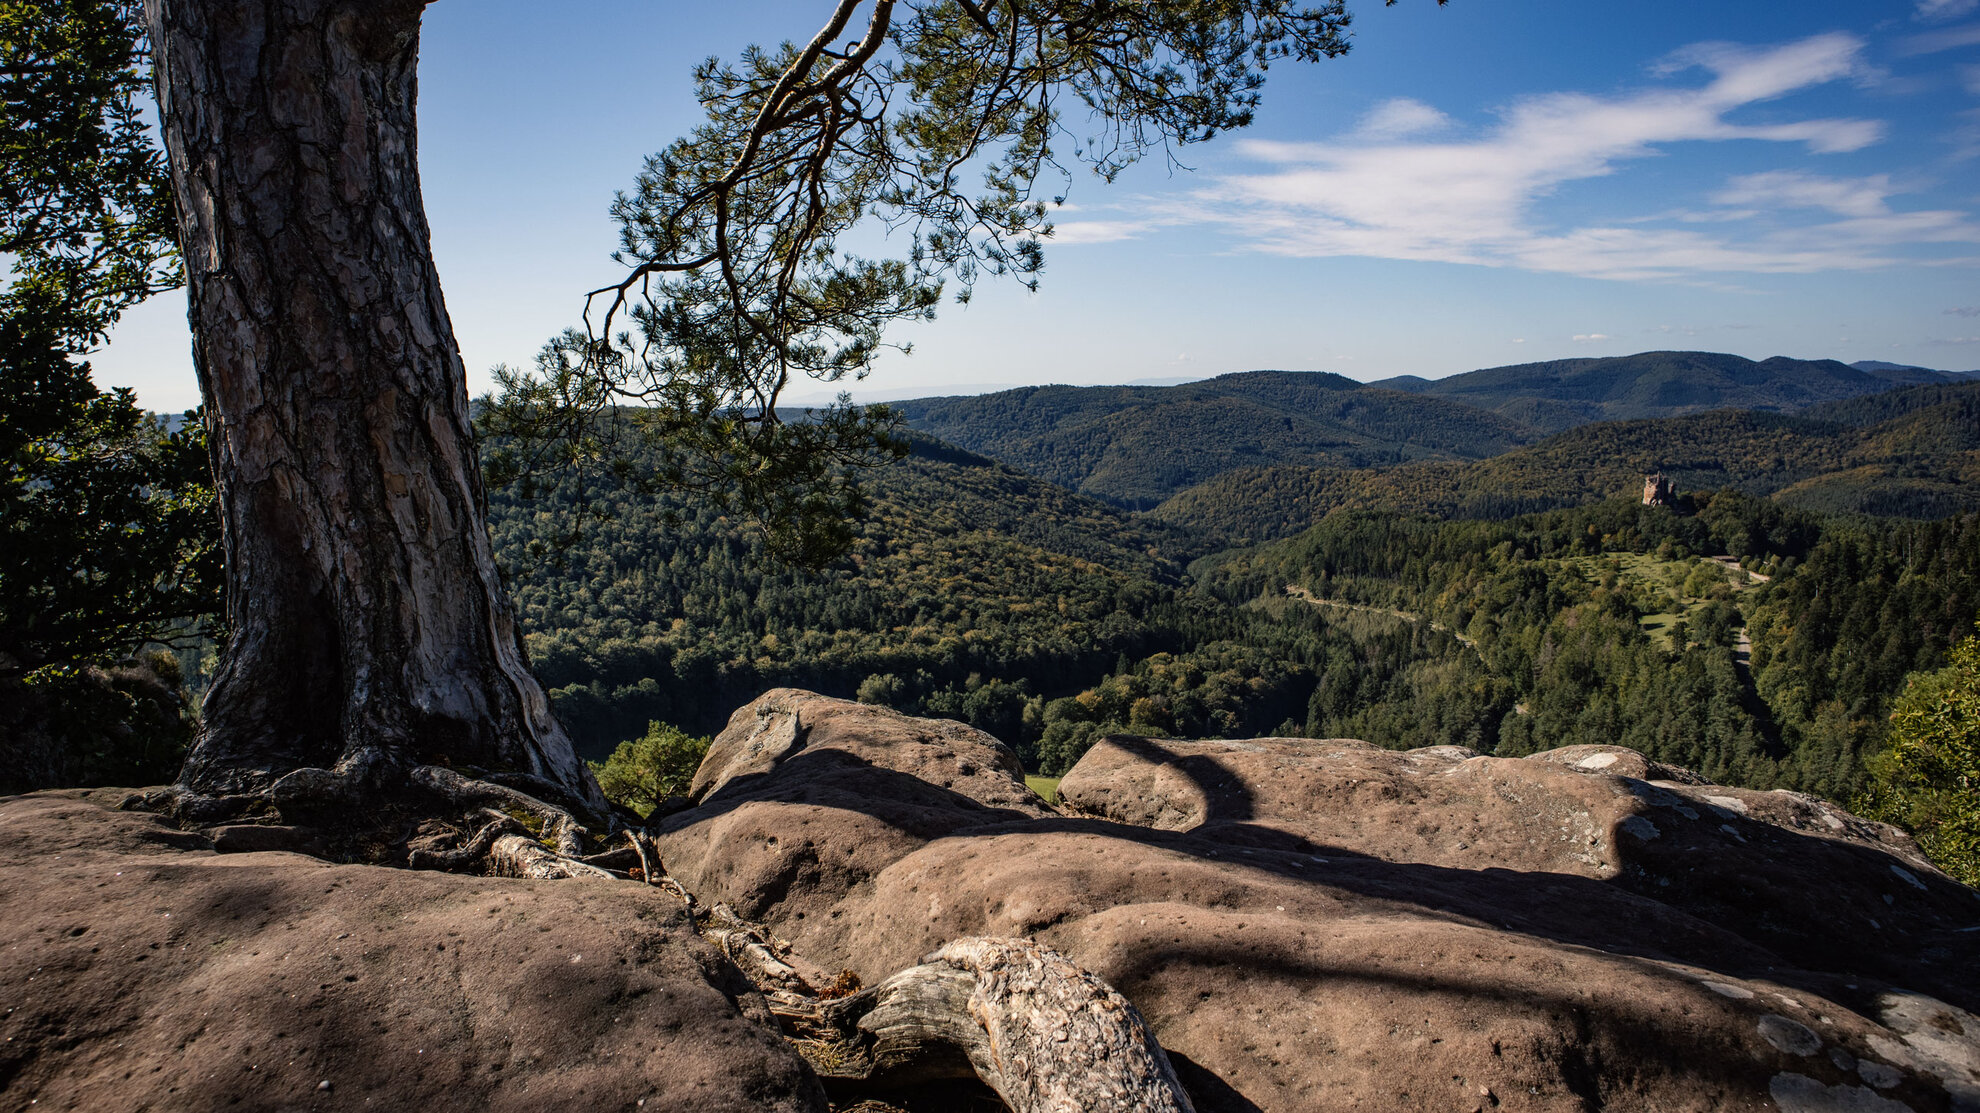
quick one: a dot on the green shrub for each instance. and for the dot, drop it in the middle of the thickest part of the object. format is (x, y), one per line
(77, 725)
(1928, 777)
(644, 771)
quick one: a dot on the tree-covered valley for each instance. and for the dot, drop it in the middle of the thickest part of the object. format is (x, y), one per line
(1760, 640)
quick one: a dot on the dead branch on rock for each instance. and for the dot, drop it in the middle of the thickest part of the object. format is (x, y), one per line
(760, 955)
(1044, 1034)
(619, 859)
(650, 870)
(522, 856)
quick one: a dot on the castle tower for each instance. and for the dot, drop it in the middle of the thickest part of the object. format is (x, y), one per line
(1657, 491)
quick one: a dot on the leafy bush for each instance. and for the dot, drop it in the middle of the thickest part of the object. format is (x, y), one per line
(1928, 777)
(61, 725)
(644, 771)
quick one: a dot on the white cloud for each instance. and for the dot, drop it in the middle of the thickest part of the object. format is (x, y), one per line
(1945, 9)
(1964, 311)
(1477, 200)
(1096, 231)
(1519, 340)
(1400, 118)
(1861, 197)
(1584, 337)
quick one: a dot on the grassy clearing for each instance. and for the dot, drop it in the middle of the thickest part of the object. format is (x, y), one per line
(1046, 787)
(1684, 586)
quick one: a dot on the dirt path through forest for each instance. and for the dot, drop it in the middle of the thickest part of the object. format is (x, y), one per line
(1299, 592)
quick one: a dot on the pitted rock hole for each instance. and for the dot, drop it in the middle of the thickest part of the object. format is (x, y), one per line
(1790, 1036)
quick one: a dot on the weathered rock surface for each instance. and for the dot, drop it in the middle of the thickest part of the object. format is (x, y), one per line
(1325, 925)
(141, 970)
(1305, 925)
(1801, 878)
(802, 798)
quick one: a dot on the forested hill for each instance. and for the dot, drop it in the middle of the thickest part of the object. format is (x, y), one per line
(668, 610)
(1913, 452)
(1603, 626)
(1135, 446)
(974, 592)
(1560, 394)
(1911, 372)
(1929, 400)
(980, 593)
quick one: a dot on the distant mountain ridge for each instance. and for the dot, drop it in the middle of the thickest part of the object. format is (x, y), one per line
(1135, 446)
(1560, 394)
(1912, 452)
(1913, 371)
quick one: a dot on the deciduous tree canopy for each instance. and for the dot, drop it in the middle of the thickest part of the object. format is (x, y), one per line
(106, 519)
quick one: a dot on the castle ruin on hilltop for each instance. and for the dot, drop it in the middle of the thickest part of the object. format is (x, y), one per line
(1657, 491)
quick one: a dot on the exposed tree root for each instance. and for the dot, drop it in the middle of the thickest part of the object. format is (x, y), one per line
(476, 848)
(768, 962)
(1043, 1034)
(425, 817)
(649, 858)
(560, 829)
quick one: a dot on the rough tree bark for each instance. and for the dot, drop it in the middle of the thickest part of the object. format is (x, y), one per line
(370, 632)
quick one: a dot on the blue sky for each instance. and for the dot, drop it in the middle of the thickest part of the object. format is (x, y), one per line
(1491, 182)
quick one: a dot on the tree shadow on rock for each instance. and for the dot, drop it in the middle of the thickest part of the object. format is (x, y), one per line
(1209, 1093)
(1743, 896)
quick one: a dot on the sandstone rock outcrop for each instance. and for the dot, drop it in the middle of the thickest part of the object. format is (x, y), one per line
(1305, 926)
(802, 798)
(1795, 876)
(1315, 925)
(141, 970)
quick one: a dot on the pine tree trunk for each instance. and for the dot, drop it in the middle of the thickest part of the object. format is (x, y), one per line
(370, 631)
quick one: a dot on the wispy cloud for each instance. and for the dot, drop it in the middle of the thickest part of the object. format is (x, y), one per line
(1932, 42)
(1965, 136)
(1380, 192)
(1964, 311)
(1401, 118)
(1859, 197)
(1944, 9)
(1097, 231)
(1586, 337)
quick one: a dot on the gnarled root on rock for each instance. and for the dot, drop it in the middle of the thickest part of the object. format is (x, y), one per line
(1044, 1034)
(423, 816)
